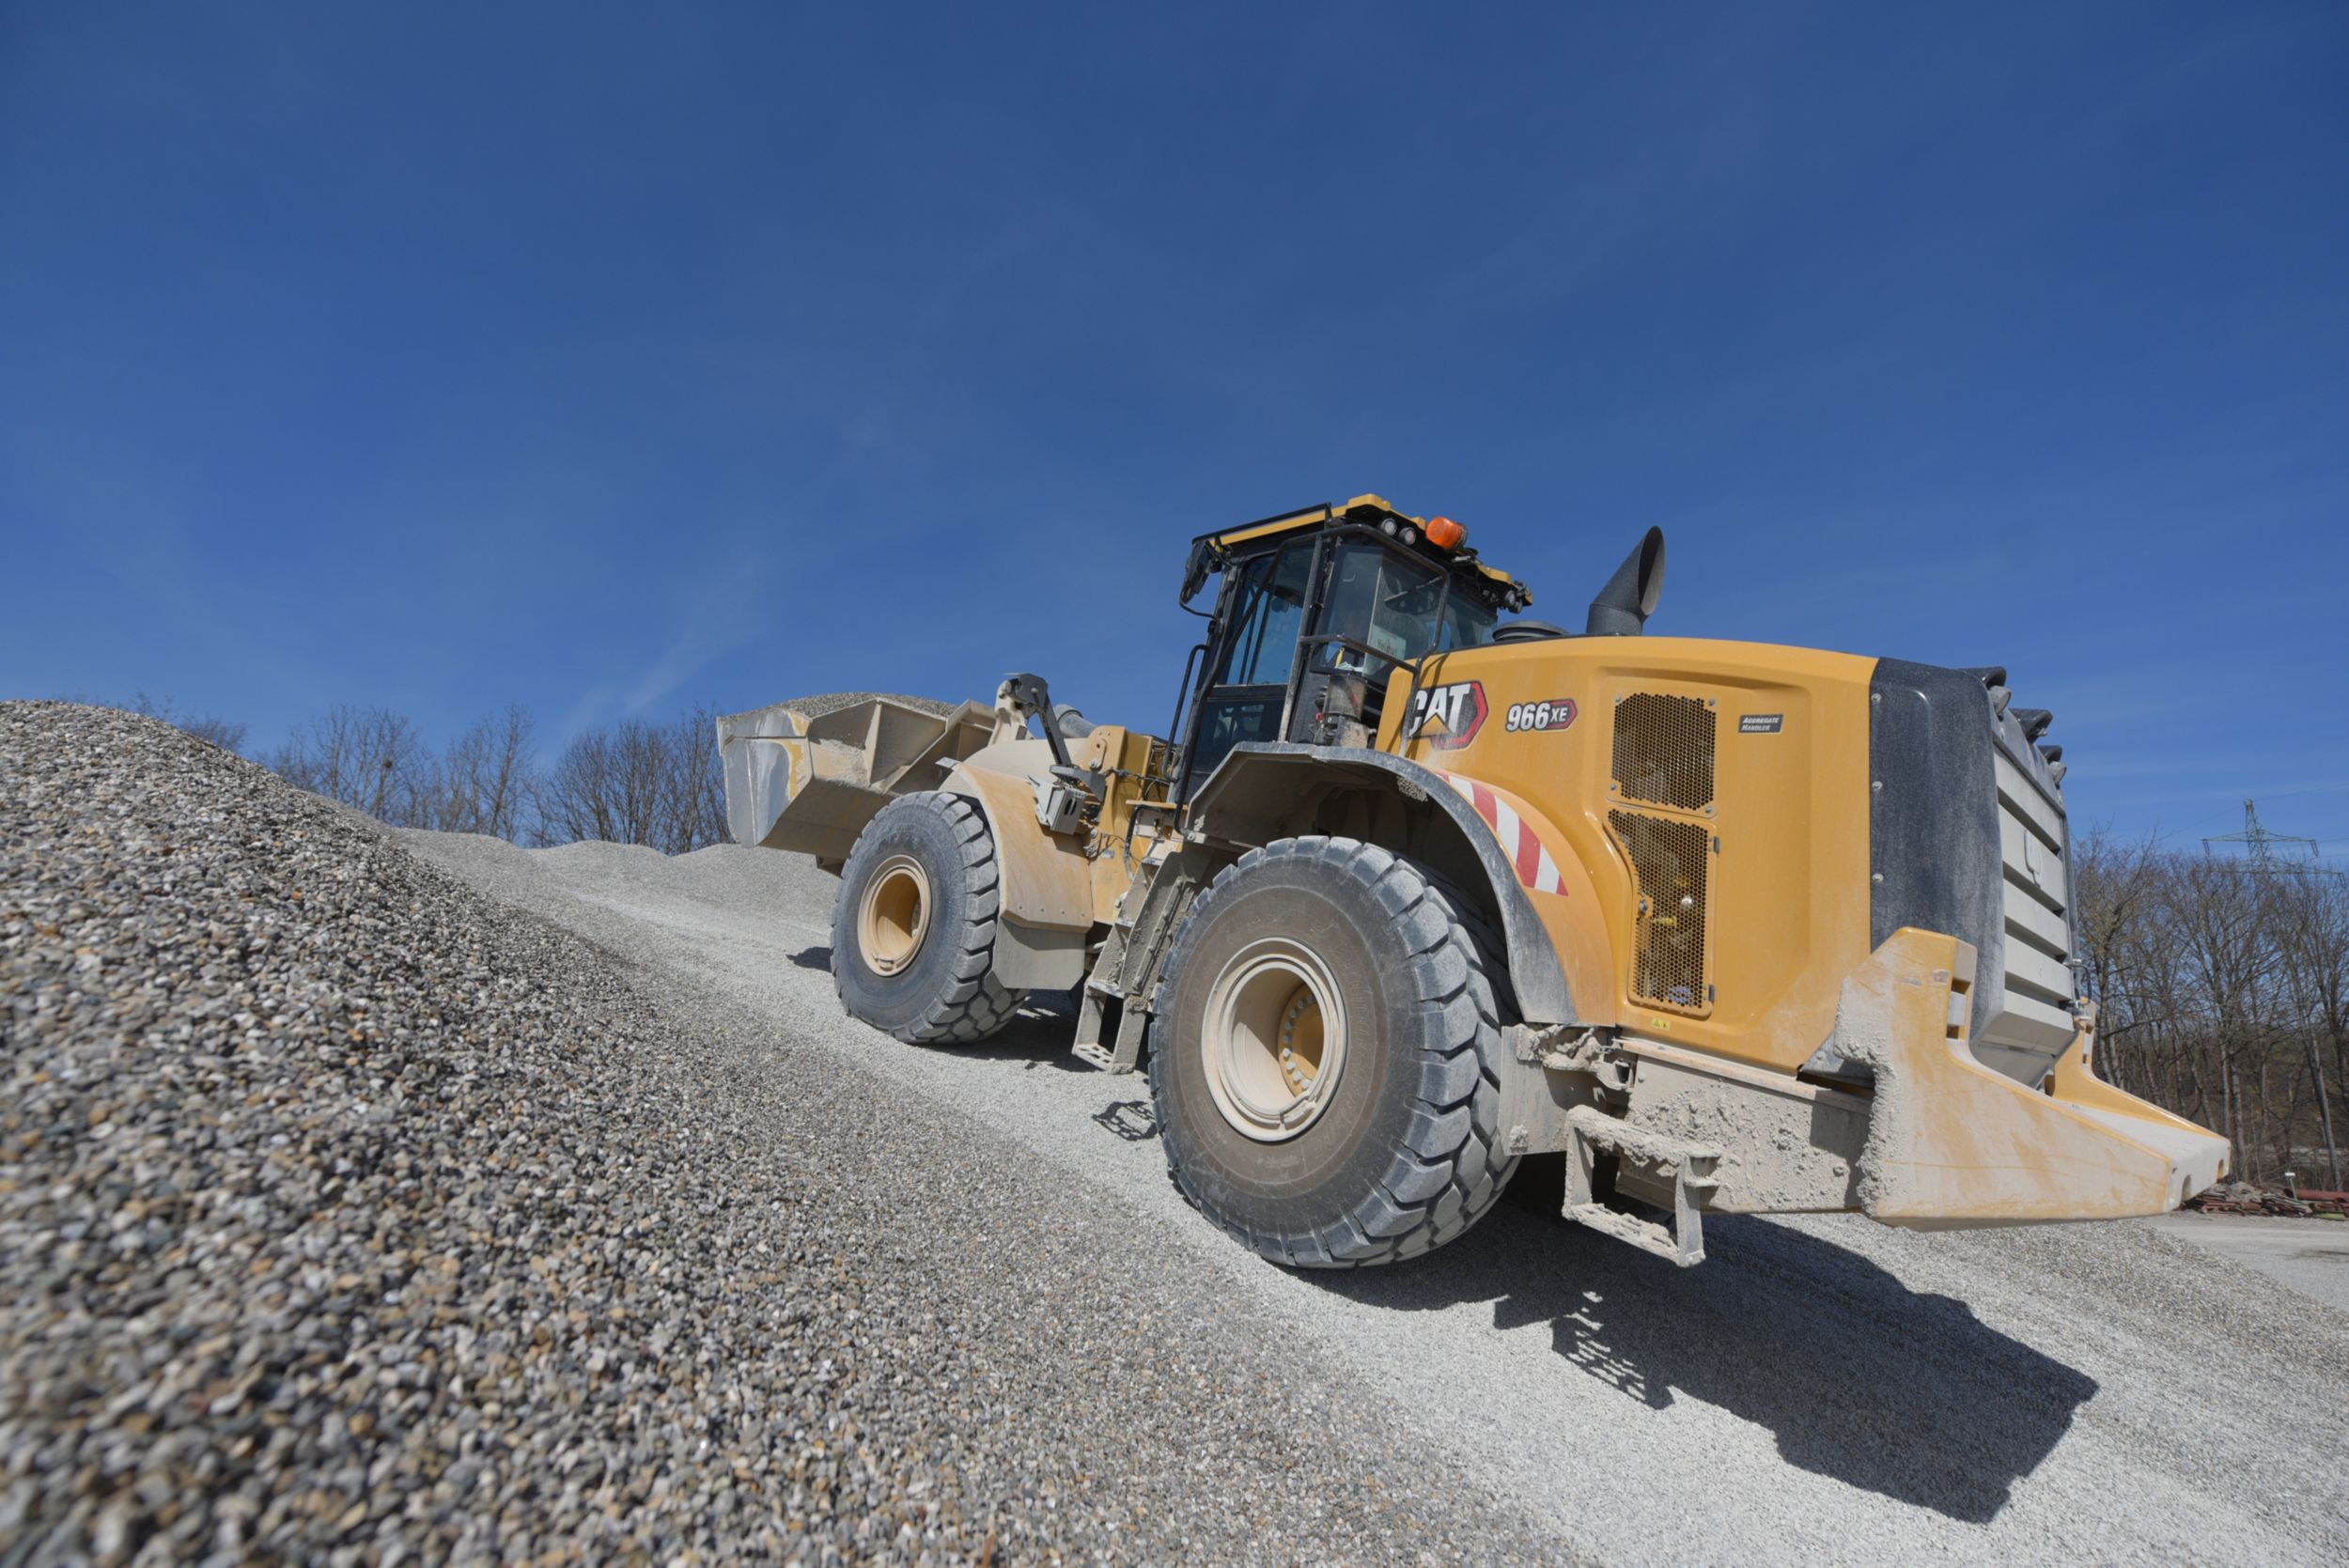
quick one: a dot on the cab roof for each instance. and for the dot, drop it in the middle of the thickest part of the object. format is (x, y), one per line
(1370, 509)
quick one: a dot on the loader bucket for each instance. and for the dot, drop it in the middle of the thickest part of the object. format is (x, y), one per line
(808, 777)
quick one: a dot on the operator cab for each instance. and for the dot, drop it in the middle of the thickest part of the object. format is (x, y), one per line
(1317, 609)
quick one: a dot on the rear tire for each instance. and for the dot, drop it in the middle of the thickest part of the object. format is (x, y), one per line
(1325, 1057)
(913, 929)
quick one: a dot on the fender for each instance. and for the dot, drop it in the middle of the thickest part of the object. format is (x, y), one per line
(1232, 805)
(1543, 865)
(1047, 887)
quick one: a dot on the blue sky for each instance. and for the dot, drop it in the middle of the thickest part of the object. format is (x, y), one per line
(609, 360)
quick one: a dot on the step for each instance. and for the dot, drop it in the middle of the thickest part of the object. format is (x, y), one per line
(1688, 1166)
(1132, 1023)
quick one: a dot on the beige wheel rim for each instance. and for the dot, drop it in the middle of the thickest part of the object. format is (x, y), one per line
(1274, 1039)
(895, 914)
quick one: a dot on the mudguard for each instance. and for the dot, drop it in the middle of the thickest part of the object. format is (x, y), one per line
(1047, 881)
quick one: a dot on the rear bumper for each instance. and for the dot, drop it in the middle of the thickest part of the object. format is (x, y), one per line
(1950, 1142)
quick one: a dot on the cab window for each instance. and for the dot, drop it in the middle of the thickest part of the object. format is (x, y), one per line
(1228, 722)
(1267, 620)
(1388, 601)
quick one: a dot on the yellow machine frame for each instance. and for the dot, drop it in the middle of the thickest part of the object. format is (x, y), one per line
(1729, 1024)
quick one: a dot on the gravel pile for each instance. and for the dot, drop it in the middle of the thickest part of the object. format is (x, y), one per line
(345, 1217)
(1822, 1389)
(831, 702)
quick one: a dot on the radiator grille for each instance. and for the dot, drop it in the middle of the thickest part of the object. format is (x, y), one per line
(1672, 861)
(1664, 750)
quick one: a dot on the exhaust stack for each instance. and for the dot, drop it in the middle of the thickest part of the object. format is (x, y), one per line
(1622, 607)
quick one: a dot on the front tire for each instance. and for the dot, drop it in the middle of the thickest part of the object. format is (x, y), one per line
(913, 929)
(1325, 1057)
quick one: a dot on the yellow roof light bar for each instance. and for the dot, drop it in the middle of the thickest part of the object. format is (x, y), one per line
(1450, 536)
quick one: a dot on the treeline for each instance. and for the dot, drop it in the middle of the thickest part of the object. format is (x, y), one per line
(2223, 994)
(637, 782)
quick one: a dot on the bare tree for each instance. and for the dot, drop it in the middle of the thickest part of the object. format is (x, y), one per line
(610, 784)
(700, 778)
(635, 782)
(367, 757)
(2223, 994)
(2113, 884)
(2312, 937)
(486, 780)
(2216, 906)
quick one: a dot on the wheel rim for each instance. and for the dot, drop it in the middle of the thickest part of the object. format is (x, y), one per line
(893, 915)
(1273, 1040)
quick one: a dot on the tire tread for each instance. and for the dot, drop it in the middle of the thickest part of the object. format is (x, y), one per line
(1450, 1163)
(976, 1004)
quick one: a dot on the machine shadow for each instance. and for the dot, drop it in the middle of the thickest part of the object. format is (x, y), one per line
(1857, 1377)
(1038, 1034)
(1129, 1121)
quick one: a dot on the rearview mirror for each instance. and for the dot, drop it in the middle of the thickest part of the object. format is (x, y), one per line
(1196, 569)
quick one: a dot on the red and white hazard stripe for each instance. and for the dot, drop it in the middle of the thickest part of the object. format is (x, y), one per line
(1534, 868)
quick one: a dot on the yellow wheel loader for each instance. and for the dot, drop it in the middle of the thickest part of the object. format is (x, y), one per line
(1414, 886)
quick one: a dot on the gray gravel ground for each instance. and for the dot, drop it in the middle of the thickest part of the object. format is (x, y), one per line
(348, 1216)
(2310, 1255)
(343, 1210)
(1820, 1390)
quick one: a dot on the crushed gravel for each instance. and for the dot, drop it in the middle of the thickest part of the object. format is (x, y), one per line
(1820, 1390)
(831, 702)
(347, 1216)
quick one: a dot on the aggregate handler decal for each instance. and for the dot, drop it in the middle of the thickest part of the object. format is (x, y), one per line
(1448, 715)
(1555, 714)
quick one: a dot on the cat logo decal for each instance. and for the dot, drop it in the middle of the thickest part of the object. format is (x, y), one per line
(1448, 715)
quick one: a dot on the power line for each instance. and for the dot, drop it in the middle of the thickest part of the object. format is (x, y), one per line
(2310, 789)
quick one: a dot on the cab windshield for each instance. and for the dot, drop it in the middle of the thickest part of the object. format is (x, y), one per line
(1389, 602)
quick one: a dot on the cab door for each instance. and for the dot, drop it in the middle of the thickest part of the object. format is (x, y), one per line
(1246, 686)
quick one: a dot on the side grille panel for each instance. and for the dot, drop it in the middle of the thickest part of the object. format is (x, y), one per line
(1663, 760)
(1664, 750)
(1673, 861)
